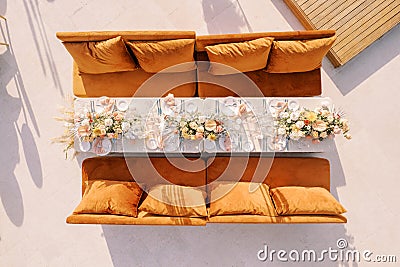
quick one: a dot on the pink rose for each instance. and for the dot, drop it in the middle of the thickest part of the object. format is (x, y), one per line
(219, 129)
(199, 135)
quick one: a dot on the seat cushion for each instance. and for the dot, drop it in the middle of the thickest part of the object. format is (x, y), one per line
(229, 198)
(296, 200)
(101, 57)
(242, 57)
(168, 55)
(175, 200)
(112, 197)
(298, 56)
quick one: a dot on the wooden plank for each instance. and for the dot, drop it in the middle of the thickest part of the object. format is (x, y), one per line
(356, 16)
(358, 23)
(338, 15)
(331, 10)
(369, 39)
(370, 23)
(314, 6)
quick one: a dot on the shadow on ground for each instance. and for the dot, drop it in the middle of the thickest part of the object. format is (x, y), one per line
(10, 192)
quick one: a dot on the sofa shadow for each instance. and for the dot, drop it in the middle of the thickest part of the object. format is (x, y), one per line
(42, 45)
(364, 65)
(220, 244)
(13, 106)
(357, 70)
(233, 16)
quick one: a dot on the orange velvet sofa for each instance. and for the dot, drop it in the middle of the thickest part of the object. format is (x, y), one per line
(198, 82)
(304, 172)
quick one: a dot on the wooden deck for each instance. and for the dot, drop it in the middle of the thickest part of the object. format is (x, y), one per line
(358, 23)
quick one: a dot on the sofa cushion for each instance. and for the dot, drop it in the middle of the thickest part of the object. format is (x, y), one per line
(175, 200)
(293, 200)
(228, 198)
(101, 57)
(298, 56)
(244, 56)
(112, 197)
(156, 56)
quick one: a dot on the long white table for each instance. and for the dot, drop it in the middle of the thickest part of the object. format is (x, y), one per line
(250, 133)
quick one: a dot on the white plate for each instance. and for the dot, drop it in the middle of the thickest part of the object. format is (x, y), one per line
(85, 146)
(248, 146)
(293, 105)
(122, 105)
(191, 107)
(106, 147)
(151, 143)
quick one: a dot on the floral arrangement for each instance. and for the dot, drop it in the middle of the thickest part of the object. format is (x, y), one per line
(201, 127)
(317, 124)
(106, 124)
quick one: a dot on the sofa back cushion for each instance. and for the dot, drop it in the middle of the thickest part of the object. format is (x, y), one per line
(243, 57)
(110, 197)
(101, 57)
(136, 82)
(166, 56)
(175, 200)
(275, 172)
(298, 56)
(228, 198)
(258, 82)
(296, 200)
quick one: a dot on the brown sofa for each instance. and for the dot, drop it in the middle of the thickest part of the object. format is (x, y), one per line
(305, 172)
(195, 83)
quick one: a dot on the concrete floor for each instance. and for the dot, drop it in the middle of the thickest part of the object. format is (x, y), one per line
(39, 189)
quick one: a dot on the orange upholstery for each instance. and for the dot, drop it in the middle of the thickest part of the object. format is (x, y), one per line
(185, 84)
(127, 84)
(275, 172)
(257, 83)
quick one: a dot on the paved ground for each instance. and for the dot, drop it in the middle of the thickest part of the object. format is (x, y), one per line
(38, 188)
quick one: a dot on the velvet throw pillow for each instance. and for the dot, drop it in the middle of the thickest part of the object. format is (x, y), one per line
(241, 198)
(298, 56)
(112, 197)
(243, 56)
(156, 56)
(296, 200)
(101, 57)
(175, 200)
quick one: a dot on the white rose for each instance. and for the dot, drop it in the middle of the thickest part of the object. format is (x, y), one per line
(125, 126)
(289, 120)
(300, 124)
(108, 122)
(294, 116)
(85, 122)
(284, 115)
(323, 135)
(294, 136)
(193, 125)
(330, 118)
(281, 131)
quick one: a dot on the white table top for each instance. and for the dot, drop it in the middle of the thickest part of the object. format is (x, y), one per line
(249, 133)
